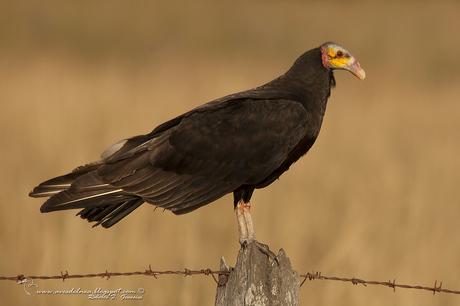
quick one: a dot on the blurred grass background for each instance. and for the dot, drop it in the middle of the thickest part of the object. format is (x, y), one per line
(377, 197)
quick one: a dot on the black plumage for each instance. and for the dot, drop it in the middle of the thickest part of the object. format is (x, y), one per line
(237, 143)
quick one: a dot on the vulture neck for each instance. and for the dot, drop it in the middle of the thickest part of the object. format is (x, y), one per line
(308, 80)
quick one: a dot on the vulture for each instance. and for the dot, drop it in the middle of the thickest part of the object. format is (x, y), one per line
(234, 144)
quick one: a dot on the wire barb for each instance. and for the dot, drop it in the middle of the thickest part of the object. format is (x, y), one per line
(64, 275)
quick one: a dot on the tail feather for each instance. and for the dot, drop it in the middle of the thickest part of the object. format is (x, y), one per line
(94, 213)
(68, 200)
(111, 214)
(86, 190)
(101, 213)
(60, 183)
(83, 189)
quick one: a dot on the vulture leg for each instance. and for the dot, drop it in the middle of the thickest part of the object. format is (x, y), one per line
(241, 222)
(245, 225)
(248, 219)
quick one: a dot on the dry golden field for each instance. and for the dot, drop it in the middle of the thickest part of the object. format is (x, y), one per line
(377, 197)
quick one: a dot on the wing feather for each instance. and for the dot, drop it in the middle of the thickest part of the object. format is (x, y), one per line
(208, 154)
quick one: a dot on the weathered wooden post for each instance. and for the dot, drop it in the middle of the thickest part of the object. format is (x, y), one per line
(259, 278)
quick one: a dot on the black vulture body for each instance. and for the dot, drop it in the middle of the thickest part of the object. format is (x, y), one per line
(237, 143)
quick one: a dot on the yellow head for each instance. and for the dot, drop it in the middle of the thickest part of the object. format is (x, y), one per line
(335, 56)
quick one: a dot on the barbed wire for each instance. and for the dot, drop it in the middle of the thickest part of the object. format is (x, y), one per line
(21, 278)
(391, 284)
(148, 272)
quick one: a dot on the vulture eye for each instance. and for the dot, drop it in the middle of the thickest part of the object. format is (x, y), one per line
(339, 53)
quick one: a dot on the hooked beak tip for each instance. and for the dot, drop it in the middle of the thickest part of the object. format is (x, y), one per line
(360, 73)
(356, 69)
